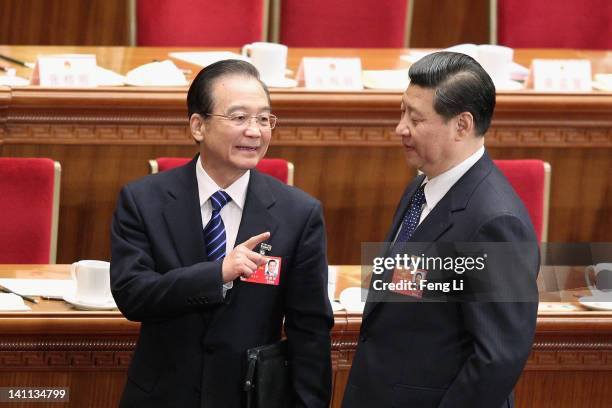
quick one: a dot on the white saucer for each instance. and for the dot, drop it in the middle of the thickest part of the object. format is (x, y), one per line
(336, 306)
(109, 305)
(281, 83)
(350, 299)
(12, 80)
(597, 302)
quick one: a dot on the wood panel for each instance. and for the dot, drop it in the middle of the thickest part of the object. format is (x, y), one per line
(443, 23)
(564, 389)
(64, 22)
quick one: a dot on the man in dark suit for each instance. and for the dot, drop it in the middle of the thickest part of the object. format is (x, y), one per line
(464, 348)
(185, 243)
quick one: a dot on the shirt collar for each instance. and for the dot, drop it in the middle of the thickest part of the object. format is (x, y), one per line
(437, 187)
(207, 186)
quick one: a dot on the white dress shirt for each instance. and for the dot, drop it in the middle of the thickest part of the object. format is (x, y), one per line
(437, 187)
(231, 213)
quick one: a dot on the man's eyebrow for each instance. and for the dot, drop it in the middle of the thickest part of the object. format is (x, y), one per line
(412, 109)
(235, 108)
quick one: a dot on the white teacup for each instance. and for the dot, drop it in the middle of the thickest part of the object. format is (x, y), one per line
(332, 277)
(270, 59)
(603, 279)
(92, 281)
(496, 60)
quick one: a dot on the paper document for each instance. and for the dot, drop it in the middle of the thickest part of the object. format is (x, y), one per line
(393, 79)
(106, 77)
(204, 59)
(603, 82)
(9, 302)
(12, 80)
(157, 73)
(40, 287)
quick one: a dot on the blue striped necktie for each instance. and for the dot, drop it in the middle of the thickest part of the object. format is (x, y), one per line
(214, 232)
(413, 215)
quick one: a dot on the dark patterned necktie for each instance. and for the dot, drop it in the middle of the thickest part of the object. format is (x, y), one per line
(214, 232)
(411, 219)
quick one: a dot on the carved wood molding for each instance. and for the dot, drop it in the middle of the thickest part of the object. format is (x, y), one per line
(88, 354)
(117, 353)
(554, 136)
(605, 345)
(96, 119)
(67, 345)
(53, 360)
(108, 345)
(176, 133)
(342, 360)
(570, 360)
(341, 345)
(72, 354)
(98, 134)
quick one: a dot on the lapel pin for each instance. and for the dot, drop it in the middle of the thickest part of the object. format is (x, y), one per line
(263, 248)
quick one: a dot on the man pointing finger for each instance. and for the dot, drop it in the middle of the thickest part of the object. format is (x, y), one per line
(177, 269)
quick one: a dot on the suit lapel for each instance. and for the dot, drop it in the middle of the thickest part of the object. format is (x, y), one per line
(183, 216)
(403, 207)
(396, 224)
(436, 223)
(256, 217)
(439, 220)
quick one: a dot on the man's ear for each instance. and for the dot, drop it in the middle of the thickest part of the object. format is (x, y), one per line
(197, 127)
(465, 125)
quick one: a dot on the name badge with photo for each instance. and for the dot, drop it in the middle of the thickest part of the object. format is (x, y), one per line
(407, 283)
(268, 273)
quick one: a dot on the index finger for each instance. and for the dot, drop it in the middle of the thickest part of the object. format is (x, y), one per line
(252, 242)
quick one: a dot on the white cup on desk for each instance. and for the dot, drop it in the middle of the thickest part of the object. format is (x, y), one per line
(92, 280)
(270, 59)
(602, 285)
(332, 278)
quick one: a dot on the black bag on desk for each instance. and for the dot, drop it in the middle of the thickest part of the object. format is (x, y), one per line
(268, 382)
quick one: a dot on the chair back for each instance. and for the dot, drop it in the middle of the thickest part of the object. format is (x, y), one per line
(553, 24)
(197, 23)
(29, 210)
(531, 181)
(278, 168)
(344, 23)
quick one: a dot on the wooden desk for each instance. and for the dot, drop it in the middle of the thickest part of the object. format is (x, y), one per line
(342, 144)
(55, 345)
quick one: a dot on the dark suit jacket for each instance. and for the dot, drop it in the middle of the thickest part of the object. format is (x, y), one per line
(464, 353)
(191, 349)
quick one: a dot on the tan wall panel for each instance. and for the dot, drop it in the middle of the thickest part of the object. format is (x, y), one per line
(442, 23)
(64, 22)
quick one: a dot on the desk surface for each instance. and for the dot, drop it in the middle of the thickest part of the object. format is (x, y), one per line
(348, 275)
(123, 59)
